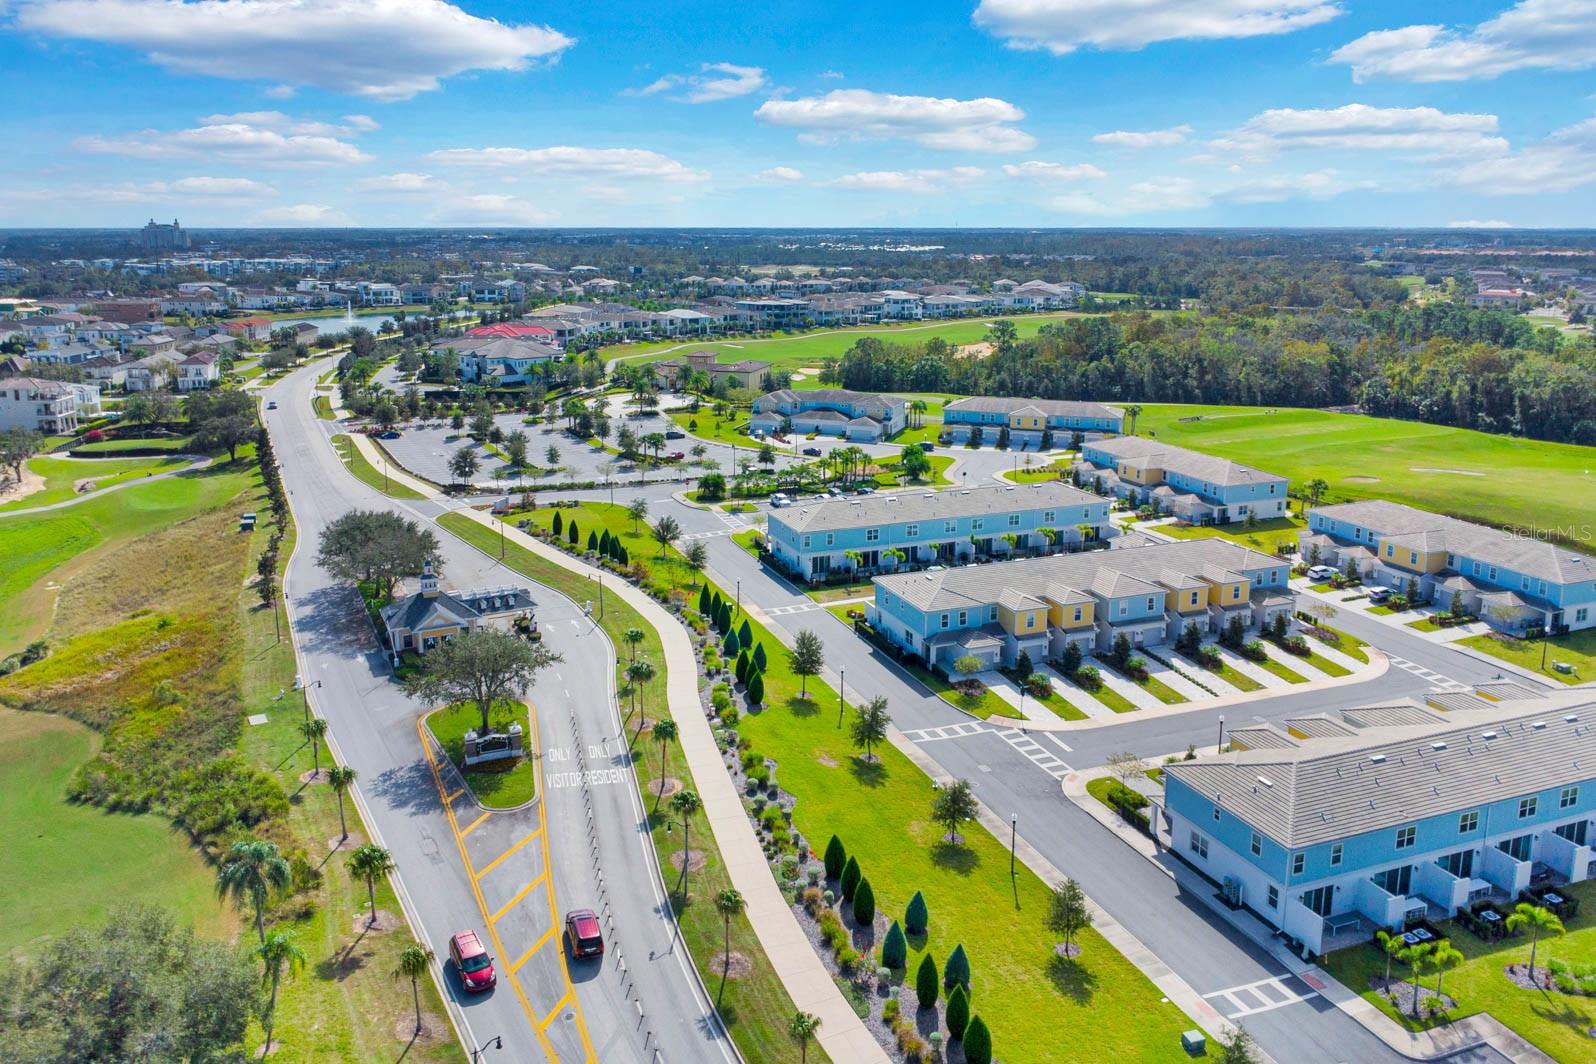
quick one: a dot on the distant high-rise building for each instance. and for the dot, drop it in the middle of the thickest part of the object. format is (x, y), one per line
(157, 237)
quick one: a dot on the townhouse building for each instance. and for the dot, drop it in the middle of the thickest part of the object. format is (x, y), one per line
(1198, 488)
(875, 532)
(1148, 594)
(499, 360)
(1027, 419)
(51, 408)
(1375, 816)
(1513, 582)
(860, 416)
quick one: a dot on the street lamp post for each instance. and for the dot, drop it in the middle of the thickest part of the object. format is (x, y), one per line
(1221, 747)
(739, 597)
(1014, 835)
(842, 685)
(304, 689)
(493, 1043)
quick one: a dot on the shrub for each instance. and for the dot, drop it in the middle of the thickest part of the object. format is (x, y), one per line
(832, 931)
(811, 899)
(957, 970)
(957, 1013)
(720, 699)
(756, 689)
(1253, 650)
(850, 878)
(895, 947)
(917, 918)
(977, 1042)
(925, 982)
(1128, 804)
(889, 1011)
(847, 960)
(864, 903)
(1088, 677)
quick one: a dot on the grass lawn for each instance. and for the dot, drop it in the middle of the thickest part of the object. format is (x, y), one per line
(1113, 699)
(1326, 666)
(746, 540)
(1552, 1021)
(502, 787)
(1425, 624)
(1265, 536)
(1280, 670)
(150, 443)
(1227, 672)
(367, 473)
(1423, 465)
(1350, 645)
(755, 1008)
(1058, 705)
(61, 476)
(1576, 648)
(109, 859)
(1036, 474)
(324, 408)
(713, 430)
(892, 474)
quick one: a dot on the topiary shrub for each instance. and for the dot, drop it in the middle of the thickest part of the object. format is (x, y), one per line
(756, 688)
(864, 903)
(917, 918)
(925, 982)
(746, 634)
(977, 1042)
(740, 670)
(835, 858)
(957, 971)
(894, 948)
(957, 1013)
(850, 878)
(759, 657)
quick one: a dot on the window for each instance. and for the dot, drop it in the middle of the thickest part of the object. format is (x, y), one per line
(1492, 574)
(1406, 837)
(1030, 620)
(964, 618)
(1194, 598)
(1390, 551)
(1527, 807)
(912, 531)
(1235, 591)
(1014, 520)
(1216, 814)
(1152, 604)
(831, 539)
(807, 541)
(1047, 515)
(1123, 609)
(978, 524)
(1335, 855)
(1079, 613)
(944, 620)
(1257, 844)
(1299, 861)
(1199, 845)
(1580, 615)
(1468, 822)
(950, 526)
(872, 535)
(1413, 558)
(1274, 896)
(1568, 797)
(991, 613)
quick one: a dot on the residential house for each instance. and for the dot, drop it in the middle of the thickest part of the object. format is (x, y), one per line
(198, 371)
(1027, 419)
(852, 415)
(428, 617)
(51, 408)
(1499, 298)
(745, 373)
(1197, 488)
(498, 361)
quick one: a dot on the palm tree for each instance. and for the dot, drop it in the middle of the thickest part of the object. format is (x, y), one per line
(1443, 959)
(1316, 489)
(341, 778)
(684, 804)
(1540, 921)
(1415, 956)
(413, 964)
(313, 730)
(667, 530)
(638, 673)
(1132, 412)
(277, 954)
(634, 638)
(253, 869)
(1392, 945)
(369, 862)
(664, 734)
(918, 408)
(801, 1028)
(728, 903)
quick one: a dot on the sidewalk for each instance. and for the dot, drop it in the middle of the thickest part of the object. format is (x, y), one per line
(1417, 1045)
(842, 1034)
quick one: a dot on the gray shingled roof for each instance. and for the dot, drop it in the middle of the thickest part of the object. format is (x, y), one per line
(980, 584)
(1332, 788)
(882, 509)
(1172, 459)
(989, 404)
(1427, 531)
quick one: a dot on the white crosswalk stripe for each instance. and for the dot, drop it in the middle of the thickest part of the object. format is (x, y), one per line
(1265, 995)
(797, 607)
(709, 535)
(948, 731)
(1427, 674)
(1034, 752)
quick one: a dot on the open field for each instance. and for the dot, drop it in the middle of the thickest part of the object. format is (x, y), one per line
(1499, 480)
(1576, 648)
(67, 865)
(138, 443)
(61, 476)
(1554, 1022)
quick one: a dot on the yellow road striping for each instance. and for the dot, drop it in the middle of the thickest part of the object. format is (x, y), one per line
(499, 859)
(456, 794)
(496, 917)
(567, 999)
(539, 944)
(476, 890)
(475, 823)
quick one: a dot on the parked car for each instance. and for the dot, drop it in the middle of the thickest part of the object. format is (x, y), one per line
(812, 452)
(472, 961)
(779, 500)
(1378, 596)
(582, 927)
(1320, 573)
(675, 456)
(272, 405)
(928, 446)
(675, 434)
(864, 489)
(391, 434)
(834, 492)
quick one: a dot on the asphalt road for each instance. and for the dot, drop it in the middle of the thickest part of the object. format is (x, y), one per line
(459, 867)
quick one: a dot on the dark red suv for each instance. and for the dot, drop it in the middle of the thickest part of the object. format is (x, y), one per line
(582, 927)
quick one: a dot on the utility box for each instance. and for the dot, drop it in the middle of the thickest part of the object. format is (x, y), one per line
(1194, 1043)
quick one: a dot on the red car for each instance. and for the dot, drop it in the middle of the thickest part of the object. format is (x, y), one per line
(472, 961)
(582, 927)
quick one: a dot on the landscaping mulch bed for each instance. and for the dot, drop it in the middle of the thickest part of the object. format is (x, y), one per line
(434, 1031)
(377, 923)
(1518, 975)
(664, 787)
(734, 965)
(695, 860)
(1400, 993)
(353, 842)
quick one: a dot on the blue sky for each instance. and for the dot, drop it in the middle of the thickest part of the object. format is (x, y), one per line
(952, 112)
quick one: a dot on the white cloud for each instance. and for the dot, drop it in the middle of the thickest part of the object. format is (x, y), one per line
(404, 183)
(222, 186)
(1142, 197)
(492, 209)
(1532, 34)
(1564, 160)
(284, 123)
(383, 49)
(1062, 26)
(567, 161)
(301, 215)
(780, 173)
(1423, 131)
(1317, 184)
(1489, 223)
(833, 75)
(1035, 170)
(717, 81)
(983, 124)
(1136, 140)
(234, 142)
(920, 181)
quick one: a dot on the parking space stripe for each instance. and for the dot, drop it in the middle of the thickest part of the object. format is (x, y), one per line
(496, 917)
(500, 859)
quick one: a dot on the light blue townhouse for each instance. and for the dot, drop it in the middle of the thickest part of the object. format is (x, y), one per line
(1148, 594)
(859, 416)
(1376, 817)
(1197, 488)
(886, 532)
(1513, 582)
(1027, 420)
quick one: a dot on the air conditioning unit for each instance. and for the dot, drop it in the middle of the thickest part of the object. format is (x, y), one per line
(1231, 892)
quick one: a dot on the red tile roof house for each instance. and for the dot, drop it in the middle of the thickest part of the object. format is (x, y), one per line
(251, 328)
(515, 331)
